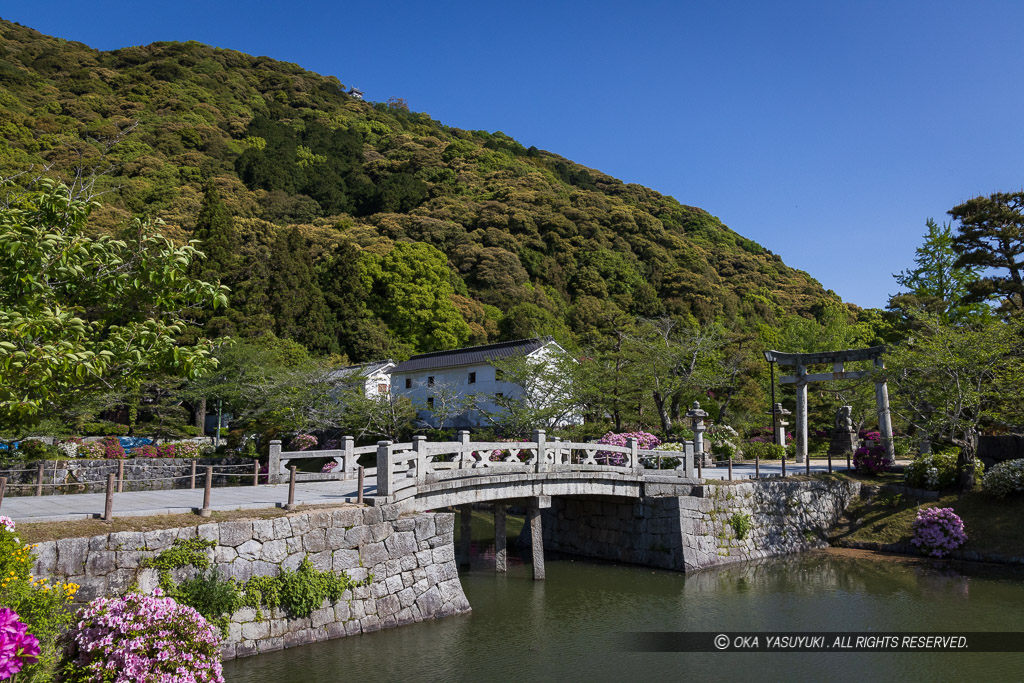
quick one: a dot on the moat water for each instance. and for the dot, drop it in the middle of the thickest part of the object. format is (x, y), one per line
(575, 625)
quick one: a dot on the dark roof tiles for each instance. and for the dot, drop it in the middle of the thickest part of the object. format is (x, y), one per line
(474, 355)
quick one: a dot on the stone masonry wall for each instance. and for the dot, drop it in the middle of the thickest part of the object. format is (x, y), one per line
(88, 476)
(687, 533)
(411, 558)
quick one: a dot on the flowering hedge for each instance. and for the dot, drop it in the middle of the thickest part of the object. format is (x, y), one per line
(645, 441)
(873, 460)
(938, 530)
(1006, 478)
(35, 612)
(143, 638)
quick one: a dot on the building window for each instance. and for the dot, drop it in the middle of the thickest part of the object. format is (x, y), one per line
(382, 388)
(472, 378)
(499, 375)
(500, 395)
(430, 403)
(408, 382)
(430, 381)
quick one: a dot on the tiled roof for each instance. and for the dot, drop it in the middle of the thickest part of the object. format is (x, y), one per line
(365, 369)
(474, 355)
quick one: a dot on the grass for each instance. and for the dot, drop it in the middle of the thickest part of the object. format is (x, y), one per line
(993, 525)
(38, 532)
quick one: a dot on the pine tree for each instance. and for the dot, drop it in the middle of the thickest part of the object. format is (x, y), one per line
(991, 238)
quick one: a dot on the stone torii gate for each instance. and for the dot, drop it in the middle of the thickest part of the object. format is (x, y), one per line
(801, 379)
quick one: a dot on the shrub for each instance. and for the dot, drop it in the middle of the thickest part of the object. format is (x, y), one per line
(94, 450)
(147, 451)
(112, 447)
(937, 531)
(180, 449)
(18, 648)
(34, 449)
(667, 462)
(104, 429)
(645, 441)
(1006, 478)
(143, 638)
(873, 460)
(69, 448)
(302, 442)
(723, 450)
(762, 450)
(40, 606)
(329, 467)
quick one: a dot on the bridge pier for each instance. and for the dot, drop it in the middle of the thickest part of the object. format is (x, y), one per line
(500, 552)
(537, 534)
(465, 532)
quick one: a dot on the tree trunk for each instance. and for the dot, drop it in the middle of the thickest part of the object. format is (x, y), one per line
(966, 465)
(659, 402)
(724, 409)
(200, 418)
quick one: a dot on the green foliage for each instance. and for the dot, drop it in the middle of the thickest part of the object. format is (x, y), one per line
(763, 450)
(723, 450)
(741, 524)
(190, 552)
(213, 597)
(990, 241)
(80, 313)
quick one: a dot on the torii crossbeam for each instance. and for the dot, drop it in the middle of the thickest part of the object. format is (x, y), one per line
(836, 358)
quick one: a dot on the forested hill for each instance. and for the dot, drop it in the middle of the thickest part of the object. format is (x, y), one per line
(367, 228)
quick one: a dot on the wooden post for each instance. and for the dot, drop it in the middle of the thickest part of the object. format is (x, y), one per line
(205, 511)
(500, 552)
(848, 464)
(120, 476)
(465, 532)
(192, 485)
(291, 488)
(3, 487)
(830, 461)
(39, 480)
(807, 463)
(730, 468)
(757, 467)
(384, 468)
(108, 508)
(783, 464)
(359, 491)
(274, 462)
(256, 472)
(699, 459)
(536, 540)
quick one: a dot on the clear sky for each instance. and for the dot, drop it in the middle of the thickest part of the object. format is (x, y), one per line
(826, 131)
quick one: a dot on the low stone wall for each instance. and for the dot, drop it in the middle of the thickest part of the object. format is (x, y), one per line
(89, 476)
(688, 533)
(411, 558)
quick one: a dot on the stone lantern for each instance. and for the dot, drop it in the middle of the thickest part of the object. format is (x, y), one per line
(697, 415)
(780, 423)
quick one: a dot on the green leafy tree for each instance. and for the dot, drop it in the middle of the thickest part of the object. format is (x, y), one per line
(411, 291)
(949, 381)
(991, 239)
(936, 283)
(80, 315)
(547, 397)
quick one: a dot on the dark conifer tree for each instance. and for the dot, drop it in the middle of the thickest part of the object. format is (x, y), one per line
(296, 302)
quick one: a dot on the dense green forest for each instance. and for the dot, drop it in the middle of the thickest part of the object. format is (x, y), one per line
(367, 229)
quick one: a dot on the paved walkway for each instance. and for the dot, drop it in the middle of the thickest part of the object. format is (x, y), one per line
(177, 501)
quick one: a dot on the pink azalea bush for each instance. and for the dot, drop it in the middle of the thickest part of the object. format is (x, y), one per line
(873, 460)
(329, 467)
(302, 442)
(937, 531)
(7, 523)
(645, 441)
(18, 647)
(112, 447)
(144, 638)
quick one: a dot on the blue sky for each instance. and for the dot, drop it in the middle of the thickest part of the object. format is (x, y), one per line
(826, 131)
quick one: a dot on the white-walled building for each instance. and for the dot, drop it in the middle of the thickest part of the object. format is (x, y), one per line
(431, 379)
(376, 376)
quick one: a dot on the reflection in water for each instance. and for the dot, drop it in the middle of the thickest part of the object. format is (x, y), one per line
(567, 626)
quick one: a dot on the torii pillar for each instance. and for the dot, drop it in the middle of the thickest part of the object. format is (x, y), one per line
(801, 379)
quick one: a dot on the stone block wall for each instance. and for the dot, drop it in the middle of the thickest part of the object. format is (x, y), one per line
(688, 533)
(89, 476)
(411, 558)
